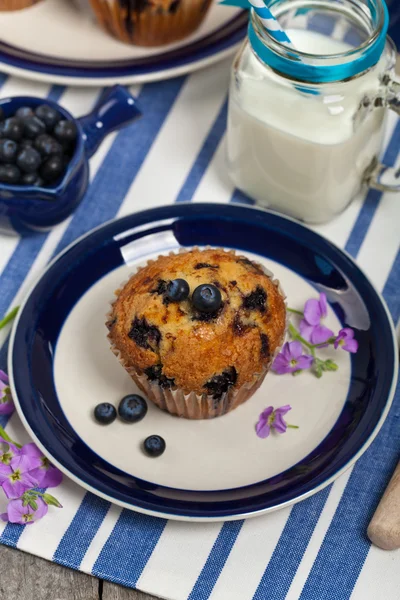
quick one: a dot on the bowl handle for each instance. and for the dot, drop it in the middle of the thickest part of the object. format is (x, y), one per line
(114, 109)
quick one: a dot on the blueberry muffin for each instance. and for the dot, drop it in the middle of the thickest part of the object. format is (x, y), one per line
(150, 22)
(197, 331)
(9, 5)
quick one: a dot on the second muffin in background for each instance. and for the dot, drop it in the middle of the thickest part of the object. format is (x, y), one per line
(197, 331)
(149, 22)
(12, 5)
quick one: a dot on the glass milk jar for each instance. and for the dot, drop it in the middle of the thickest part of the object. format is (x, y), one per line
(305, 126)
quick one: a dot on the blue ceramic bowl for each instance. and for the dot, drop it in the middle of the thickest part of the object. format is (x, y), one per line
(24, 209)
(394, 23)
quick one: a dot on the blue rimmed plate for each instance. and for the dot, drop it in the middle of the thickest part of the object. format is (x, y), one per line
(55, 43)
(61, 366)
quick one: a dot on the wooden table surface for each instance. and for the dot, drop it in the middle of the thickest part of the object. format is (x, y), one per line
(26, 577)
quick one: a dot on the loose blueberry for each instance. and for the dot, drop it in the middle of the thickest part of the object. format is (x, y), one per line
(32, 179)
(47, 145)
(154, 445)
(177, 290)
(23, 112)
(105, 413)
(52, 168)
(132, 408)
(33, 127)
(8, 151)
(28, 160)
(13, 129)
(9, 174)
(207, 298)
(49, 115)
(66, 131)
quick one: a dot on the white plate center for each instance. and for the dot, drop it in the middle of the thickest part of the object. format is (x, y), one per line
(201, 455)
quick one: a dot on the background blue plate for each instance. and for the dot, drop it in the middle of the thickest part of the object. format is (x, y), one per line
(154, 66)
(35, 334)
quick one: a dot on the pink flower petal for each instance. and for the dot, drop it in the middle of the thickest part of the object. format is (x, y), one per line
(323, 304)
(306, 330)
(4, 517)
(263, 429)
(15, 510)
(347, 332)
(279, 424)
(267, 412)
(4, 377)
(23, 463)
(286, 354)
(41, 509)
(295, 350)
(32, 452)
(336, 343)
(312, 312)
(14, 489)
(280, 365)
(51, 477)
(282, 410)
(321, 334)
(351, 346)
(6, 408)
(5, 472)
(304, 362)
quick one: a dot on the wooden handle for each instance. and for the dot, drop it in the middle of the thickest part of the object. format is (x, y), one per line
(384, 529)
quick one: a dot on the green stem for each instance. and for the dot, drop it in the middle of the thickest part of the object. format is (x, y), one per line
(10, 317)
(294, 311)
(296, 336)
(329, 341)
(7, 438)
(293, 426)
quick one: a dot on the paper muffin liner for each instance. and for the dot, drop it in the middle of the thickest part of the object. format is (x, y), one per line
(9, 5)
(149, 28)
(191, 405)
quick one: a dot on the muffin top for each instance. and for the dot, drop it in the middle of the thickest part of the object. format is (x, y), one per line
(165, 5)
(226, 340)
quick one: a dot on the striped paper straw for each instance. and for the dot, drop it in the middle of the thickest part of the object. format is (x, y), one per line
(270, 23)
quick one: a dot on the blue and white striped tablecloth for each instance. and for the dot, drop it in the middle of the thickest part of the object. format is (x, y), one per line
(315, 550)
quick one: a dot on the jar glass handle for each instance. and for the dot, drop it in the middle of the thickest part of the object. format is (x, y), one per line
(381, 177)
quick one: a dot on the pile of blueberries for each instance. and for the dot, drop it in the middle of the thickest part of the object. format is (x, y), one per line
(131, 409)
(36, 146)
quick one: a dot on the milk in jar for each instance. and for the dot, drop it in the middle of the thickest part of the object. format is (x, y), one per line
(304, 150)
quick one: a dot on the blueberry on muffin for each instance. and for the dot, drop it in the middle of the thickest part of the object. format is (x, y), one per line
(197, 331)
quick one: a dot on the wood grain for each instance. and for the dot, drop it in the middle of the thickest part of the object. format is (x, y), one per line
(116, 592)
(27, 577)
(384, 529)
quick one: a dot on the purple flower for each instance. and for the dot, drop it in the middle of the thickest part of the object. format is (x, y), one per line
(272, 418)
(310, 327)
(16, 478)
(345, 339)
(41, 469)
(4, 378)
(7, 452)
(6, 402)
(24, 515)
(291, 359)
